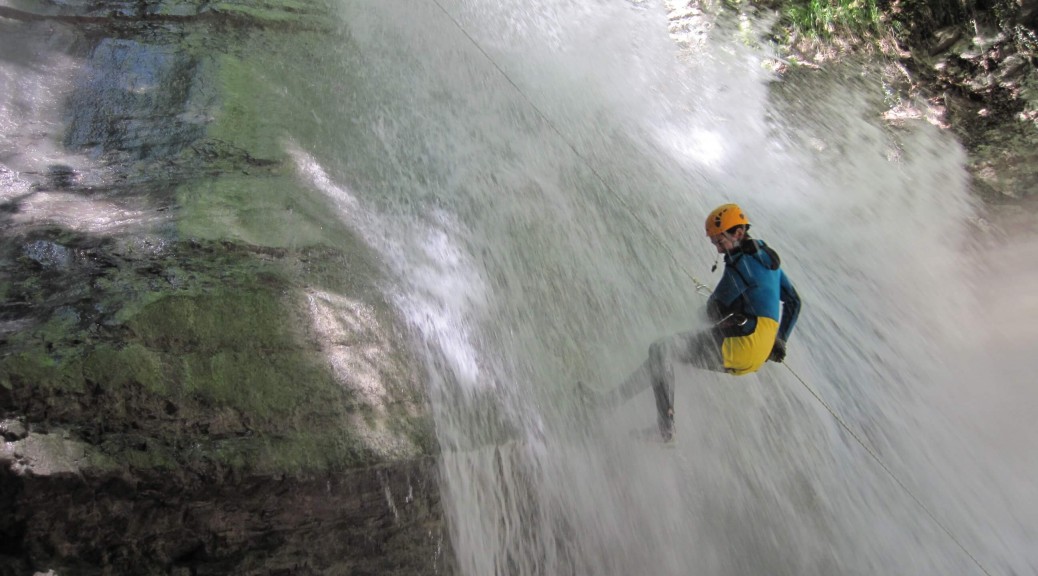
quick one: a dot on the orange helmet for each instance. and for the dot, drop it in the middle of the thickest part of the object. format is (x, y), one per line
(724, 218)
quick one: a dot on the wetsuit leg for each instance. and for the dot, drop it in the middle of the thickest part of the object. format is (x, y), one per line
(701, 349)
(645, 376)
(639, 380)
(661, 368)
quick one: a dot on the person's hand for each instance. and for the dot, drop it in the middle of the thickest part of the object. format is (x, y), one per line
(778, 351)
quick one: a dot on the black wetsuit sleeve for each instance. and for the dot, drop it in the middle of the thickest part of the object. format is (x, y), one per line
(790, 307)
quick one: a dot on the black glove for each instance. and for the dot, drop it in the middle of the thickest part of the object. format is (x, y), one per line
(778, 351)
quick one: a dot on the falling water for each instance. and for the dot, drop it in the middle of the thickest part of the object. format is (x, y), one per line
(535, 174)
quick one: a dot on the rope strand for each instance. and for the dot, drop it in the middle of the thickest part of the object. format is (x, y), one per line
(702, 288)
(886, 469)
(650, 233)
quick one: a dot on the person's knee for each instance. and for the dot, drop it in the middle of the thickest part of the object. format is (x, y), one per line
(656, 351)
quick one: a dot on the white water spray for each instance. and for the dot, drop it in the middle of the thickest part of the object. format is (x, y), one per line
(536, 174)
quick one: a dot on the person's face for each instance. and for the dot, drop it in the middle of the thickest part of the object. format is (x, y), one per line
(725, 242)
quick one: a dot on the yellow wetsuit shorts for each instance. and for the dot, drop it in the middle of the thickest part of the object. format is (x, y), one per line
(746, 354)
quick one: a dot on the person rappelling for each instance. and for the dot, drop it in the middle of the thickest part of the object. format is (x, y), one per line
(753, 309)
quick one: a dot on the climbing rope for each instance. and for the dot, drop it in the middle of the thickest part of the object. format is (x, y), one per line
(703, 289)
(700, 287)
(886, 469)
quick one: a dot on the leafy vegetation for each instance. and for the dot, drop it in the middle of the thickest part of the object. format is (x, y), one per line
(910, 21)
(827, 18)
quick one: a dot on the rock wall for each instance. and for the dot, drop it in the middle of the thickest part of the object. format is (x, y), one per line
(984, 75)
(376, 520)
(198, 371)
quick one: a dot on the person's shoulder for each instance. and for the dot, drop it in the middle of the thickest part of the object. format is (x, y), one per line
(764, 255)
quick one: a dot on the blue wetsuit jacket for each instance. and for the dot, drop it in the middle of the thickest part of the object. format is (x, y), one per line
(753, 285)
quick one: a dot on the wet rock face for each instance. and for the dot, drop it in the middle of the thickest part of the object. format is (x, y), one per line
(212, 522)
(13, 430)
(989, 83)
(132, 98)
(974, 65)
(172, 398)
(1028, 15)
(170, 401)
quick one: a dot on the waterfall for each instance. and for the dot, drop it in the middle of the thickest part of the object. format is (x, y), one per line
(535, 175)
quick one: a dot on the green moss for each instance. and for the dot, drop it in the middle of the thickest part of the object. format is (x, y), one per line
(270, 211)
(36, 369)
(153, 456)
(304, 453)
(98, 460)
(418, 428)
(121, 368)
(236, 318)
(287, 12)
(236, 348)
(320, 449)
(245, 120)
(272, 385)
(26, 290)
(255, 454)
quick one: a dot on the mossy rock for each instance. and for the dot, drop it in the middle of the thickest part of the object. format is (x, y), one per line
(219, 361)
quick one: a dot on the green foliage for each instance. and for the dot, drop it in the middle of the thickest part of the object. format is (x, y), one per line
(1026, 38)
(826, 18)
